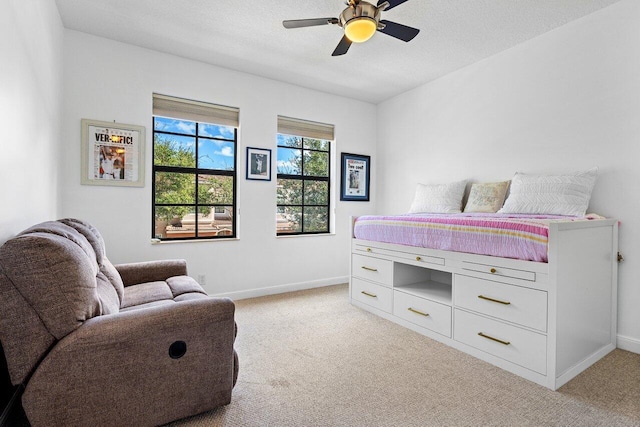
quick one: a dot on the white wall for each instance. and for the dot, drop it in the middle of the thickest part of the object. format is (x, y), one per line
(562, 102)
(31, 44)
(106, 80)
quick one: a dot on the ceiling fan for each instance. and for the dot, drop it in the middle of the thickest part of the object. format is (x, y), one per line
(360, 20)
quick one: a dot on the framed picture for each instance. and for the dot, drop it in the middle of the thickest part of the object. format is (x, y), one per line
(354, 180)
(112, 154)
(259, 164)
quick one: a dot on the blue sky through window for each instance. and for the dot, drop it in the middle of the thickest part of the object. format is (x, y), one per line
(289, 140)
(216, 131)
(288, 160)
(173, 125)
(213, 154)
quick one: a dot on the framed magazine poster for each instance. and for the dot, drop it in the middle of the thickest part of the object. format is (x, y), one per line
(112, 154)
(355, 177)
(259, 164)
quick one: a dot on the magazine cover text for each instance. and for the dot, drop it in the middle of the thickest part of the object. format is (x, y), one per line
(113, 154)
(357, 174)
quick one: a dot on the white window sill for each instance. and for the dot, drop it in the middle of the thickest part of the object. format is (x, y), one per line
(162, 242)
(291, 236)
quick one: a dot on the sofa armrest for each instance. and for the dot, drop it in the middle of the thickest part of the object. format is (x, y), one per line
(151, 271)
(121, 364)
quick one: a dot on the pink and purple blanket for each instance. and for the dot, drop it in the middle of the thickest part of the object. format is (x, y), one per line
(503, 235)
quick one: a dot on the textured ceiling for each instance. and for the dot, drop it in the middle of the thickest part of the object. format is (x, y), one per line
(248, 36)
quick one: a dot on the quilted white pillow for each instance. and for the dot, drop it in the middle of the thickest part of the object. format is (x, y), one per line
(438, 198)
(551, 194)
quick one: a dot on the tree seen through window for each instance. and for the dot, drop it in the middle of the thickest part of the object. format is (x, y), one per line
(303, 185)
(194, 179)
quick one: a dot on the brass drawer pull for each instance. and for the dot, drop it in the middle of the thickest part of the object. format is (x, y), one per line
(493, 270)
(493, 339)
(368, 249)
(413, 310)
(494, 300)
(418, 258)
(369, 295)
(369, 268)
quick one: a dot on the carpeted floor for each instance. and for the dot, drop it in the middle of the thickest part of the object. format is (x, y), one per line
(309, 358)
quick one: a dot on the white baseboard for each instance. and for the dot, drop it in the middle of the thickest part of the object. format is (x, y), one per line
(280, 289)
(629, 344)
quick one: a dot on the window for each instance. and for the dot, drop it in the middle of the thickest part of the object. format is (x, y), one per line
(304, 177)
(194, 169)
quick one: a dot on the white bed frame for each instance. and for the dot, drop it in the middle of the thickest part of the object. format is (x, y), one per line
(545, 322)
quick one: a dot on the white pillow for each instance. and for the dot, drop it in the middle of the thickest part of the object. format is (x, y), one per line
(438, 198)
(551, 194)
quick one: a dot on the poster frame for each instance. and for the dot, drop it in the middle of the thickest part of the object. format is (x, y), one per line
(265, 172)
(346, 189)
(117, 130)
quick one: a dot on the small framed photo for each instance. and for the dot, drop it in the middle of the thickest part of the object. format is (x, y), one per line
(355, 177)
(259, 164)
(112, 154)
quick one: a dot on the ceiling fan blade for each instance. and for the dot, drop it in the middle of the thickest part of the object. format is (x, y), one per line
(299, 23)
(398, 31)
(392, 3)
(342, 47)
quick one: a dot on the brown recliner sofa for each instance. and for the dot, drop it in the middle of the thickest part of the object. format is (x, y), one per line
(95, 344)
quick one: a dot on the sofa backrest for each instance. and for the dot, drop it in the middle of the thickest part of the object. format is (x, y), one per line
(53, 277)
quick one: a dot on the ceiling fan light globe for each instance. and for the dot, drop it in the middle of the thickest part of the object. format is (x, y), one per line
(360, 29)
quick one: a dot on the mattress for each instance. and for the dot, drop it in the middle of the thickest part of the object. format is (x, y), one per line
(516, 236)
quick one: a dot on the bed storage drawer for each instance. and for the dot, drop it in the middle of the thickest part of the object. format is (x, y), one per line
(517, 304)
(376, 296)
(422, 259)
(522, 347)
(499, 271)
(417, 257)
(374, 269)
(428, 314)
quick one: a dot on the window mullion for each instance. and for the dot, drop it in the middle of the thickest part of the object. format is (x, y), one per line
(197, 178)
(302, 162)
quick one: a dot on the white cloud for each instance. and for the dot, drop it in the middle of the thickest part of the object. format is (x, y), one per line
(222, 132)
(186, 127)
(226, 151)
(226, 132)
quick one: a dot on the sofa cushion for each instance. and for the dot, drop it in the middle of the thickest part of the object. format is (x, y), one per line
(190, 296)
(55, 271)
(177, 288)
(183, 284)
(146, 292)
(94, 238)
(147, 305)
(109, 299)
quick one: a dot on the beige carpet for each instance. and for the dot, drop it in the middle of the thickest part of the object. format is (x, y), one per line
(309, 358)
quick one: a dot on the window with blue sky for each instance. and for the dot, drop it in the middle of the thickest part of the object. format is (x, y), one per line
(194, 170)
